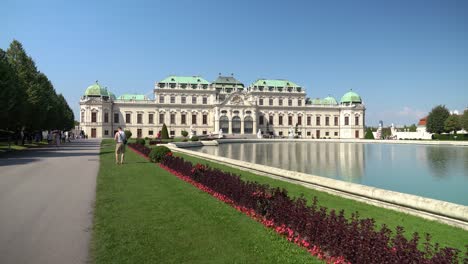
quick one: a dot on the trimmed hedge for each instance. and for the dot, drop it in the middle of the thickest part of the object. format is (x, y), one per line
(158, 153)
(458, 137)
(141, 141)
(194, 138)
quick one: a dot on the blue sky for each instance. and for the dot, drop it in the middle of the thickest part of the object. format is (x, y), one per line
(402, 57)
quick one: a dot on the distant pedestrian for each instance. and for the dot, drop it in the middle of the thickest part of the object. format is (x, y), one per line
(49, 138)
(57, 139)
(120, 141)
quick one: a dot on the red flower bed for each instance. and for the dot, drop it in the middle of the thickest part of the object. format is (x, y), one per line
(326, 234)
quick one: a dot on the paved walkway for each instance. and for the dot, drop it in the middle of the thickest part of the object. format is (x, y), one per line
(46, 201)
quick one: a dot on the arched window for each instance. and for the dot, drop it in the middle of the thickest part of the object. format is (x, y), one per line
(248, 125)
(236, 125)
(224, 124)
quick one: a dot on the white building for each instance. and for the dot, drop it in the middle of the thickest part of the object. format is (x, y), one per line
(272, 106)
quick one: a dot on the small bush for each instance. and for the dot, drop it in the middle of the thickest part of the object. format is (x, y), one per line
(128, 134)
(194, 138)
(158, 153)
(141, 141)
(164, 133)
(184, 133)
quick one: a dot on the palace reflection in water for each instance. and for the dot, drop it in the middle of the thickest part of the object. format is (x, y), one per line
(437, 172)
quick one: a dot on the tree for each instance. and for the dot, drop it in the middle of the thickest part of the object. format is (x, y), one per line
(412, 128)
(184, 133)
(436, 119)
(11, 96)
(452, 123)
(128, 134)
(164, 133)
(369, 134)
(464, 120)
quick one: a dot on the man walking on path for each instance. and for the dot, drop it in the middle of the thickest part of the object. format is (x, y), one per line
(120, 140)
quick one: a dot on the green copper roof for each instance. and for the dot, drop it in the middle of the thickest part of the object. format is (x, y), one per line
(96, 90)
(277, 83)
(351, 97)
(185, 79)
(227, 80)
(137, 97)
(329, 101)
(316, 101)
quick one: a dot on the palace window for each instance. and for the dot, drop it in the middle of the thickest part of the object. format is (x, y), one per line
(150, 132)
(271, 101)
(183, 119)
(280, 133)
(161, 99)
(205, 100)
(139, 118)
(336, 134)
(116, 118)
(299, 102)
(106, 132)
(327, 133)
(183, 99)
(280, 120)
(172, 99)
(93, 117)
(205, 120)
(161, 118)
(346, 120)
(82, 116)
(336, 120)
(150, 118)
(260, 120)
(280, 102)
(270, 120)
(327, 120)
(194, 100)
(128, 119)
(308, 133)
(317, 120)
(289, 102)
(172, 133)
(309, 120)
(194, 119)
(172, 119)
(106, 117)
(356, 120)
(204, 132)
(299, 120)
(290, 122)
(260, 101)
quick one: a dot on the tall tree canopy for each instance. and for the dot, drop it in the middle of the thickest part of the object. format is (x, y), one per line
(28, 95)
(436, 119)
(464, 120)
(452, 124)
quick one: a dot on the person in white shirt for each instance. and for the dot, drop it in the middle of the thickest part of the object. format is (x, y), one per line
(120, 140)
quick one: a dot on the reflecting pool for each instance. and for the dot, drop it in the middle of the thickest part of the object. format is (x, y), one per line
(438, 172)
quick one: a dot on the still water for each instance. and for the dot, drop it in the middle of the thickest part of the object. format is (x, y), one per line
(438, 172)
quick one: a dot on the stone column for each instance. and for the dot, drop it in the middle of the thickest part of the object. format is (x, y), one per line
(216, 120)
(230, 121)
(255, 127)
(242, 116)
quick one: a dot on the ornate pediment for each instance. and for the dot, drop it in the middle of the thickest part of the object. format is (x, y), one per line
(239, 99)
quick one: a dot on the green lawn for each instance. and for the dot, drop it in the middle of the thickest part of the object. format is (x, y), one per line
(145, 215)
(443, 234)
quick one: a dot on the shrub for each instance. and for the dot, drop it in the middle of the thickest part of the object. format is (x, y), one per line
(140, 141)
(128, 134)
(164, 133)
(184, 133)
(369, 134)
(194, 138)
(140, 148)
(158, 153)
(153, 142)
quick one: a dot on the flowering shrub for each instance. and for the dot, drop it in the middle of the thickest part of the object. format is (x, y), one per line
(140, 148)
(326, 234)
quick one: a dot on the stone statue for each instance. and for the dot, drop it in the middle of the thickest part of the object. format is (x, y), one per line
(259, 133)
(220, 134)
(192, 132)
(291, 133)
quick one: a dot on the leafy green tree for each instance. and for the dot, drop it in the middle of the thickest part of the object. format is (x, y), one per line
(452, 123)
(369, 134)
(436, 119)
(412, 128)
(128, 134)
(184, 133)
(464, 120)
(164, 133)
(11, 96)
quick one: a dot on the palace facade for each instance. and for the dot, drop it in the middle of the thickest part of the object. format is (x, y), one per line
(275, 107)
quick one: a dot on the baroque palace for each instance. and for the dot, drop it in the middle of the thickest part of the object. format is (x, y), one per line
(275, 107)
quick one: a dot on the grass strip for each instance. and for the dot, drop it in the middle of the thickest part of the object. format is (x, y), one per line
(143, 214)
(443, 234)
